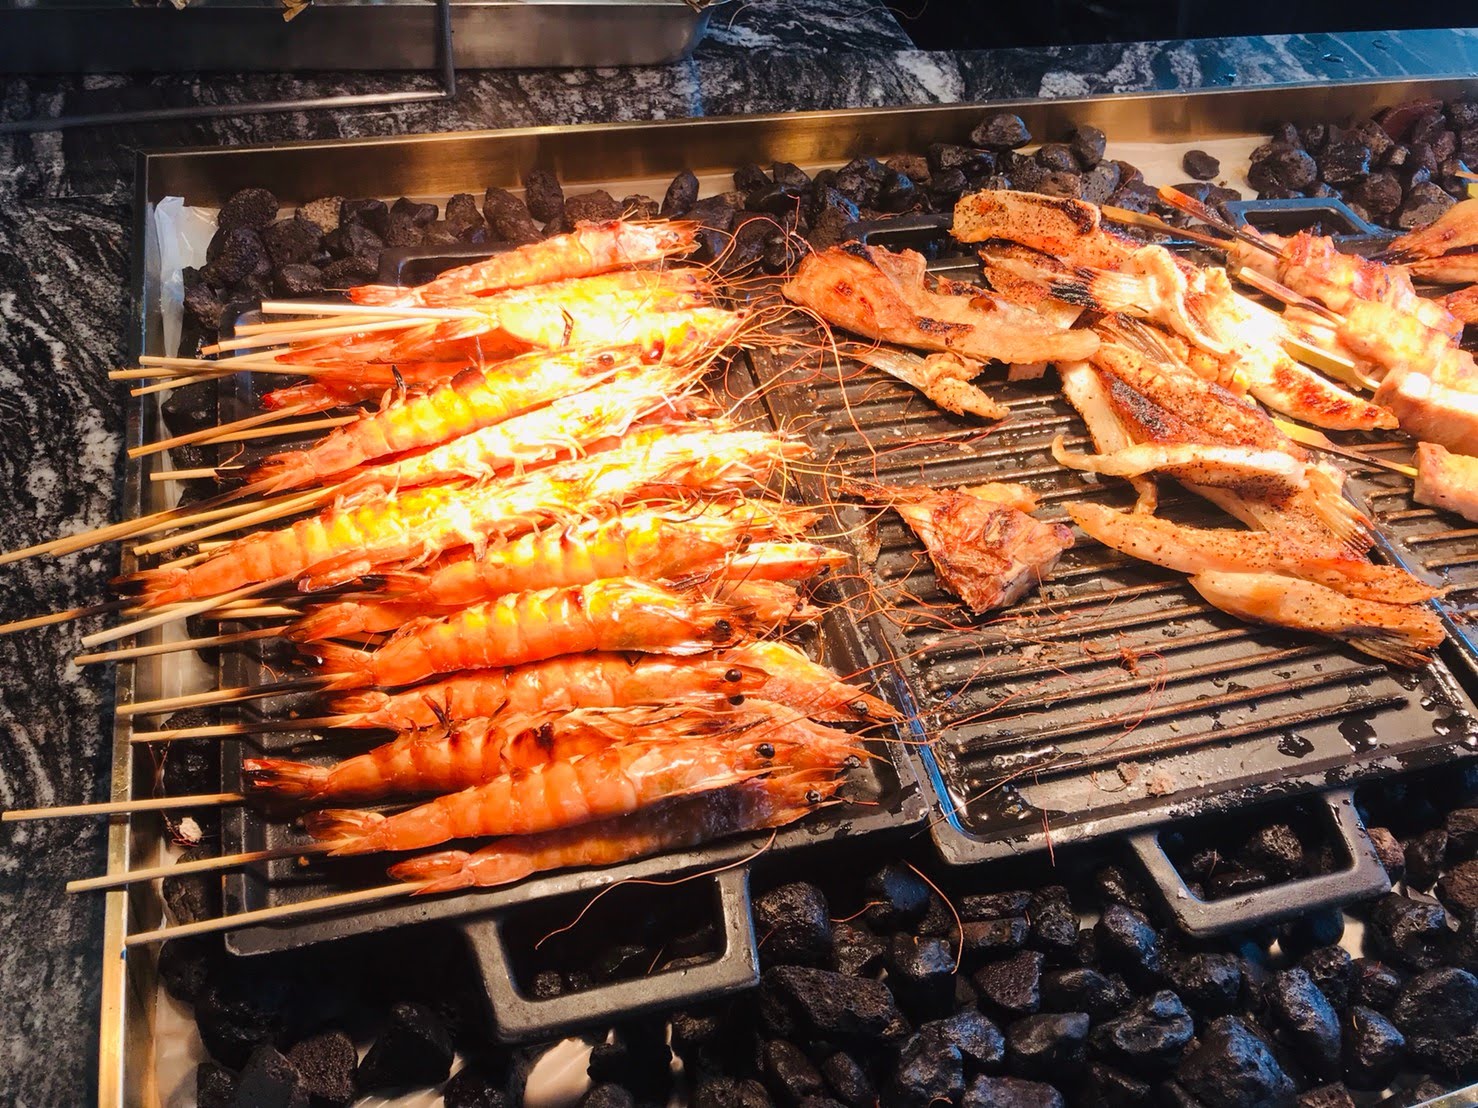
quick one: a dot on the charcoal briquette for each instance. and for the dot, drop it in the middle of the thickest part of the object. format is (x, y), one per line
(1200, 165)
(930, 1070)
(805, 1003)
(1087, 144)
(607, 1095)
(730, 1092)
(1373, 1049)
(1048, 1046)
(1230, 1067)
(186, 964)
(1149, 1038)
(921, 973)
(788, 1073)
(252, 208)
(1011, 1092)
(1012, 986)
(215, 1086)
(1002, 131)
(413, 1049)
(1128, 942)
(793, 920)
(1081, 989)
(1304, 1018)
(1410, 933)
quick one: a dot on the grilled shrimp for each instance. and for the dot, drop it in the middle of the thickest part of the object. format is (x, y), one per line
(616, 614)
(1397, 633)
(755, 805)
(572, 681)
(450, 760)
(610, 782)
(1196, 550)
(589, 249)
(346, 542)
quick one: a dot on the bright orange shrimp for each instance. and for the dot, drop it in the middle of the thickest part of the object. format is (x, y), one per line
(615, 614)
(782, 561)
(610, 782)
(794, 680)
(559, 684)
(771, 604)
(679, 824)
(376, 529)
(449, 760)
(478, 398)
(589, 249)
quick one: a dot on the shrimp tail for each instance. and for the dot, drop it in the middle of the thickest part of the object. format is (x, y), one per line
(348, 830)
(376, 294)
(397, 582)
(280, 777)
(441, 872)
(341, 666)
(290, 470)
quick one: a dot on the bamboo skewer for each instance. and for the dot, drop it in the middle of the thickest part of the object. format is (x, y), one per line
(241, 727)
(124, 807)
(200, 865)
(274, 914)
(216, 433)
(184, 611)
(276, 509)
(1177, 199)
(282, 429)
(63, 616)
(153, 649)
(1155, 223)
(184, 474)
(278, 326)
(251, 342)
(220, 696)
(1320, 441)
(308, 307)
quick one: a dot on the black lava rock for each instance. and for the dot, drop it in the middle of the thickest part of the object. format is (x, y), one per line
(1210, 983)
(1332, 970)
(1057, 155)
(270, 1081)
(858, 952)
(1437, 1011)
(730, 1092)
(1374, 984)
(327, 1063)
(898, 898)
(418, 212)
(1114, 886)
(979, 1041)
(236, 254)
(638, 1058)
(790, 174)
(977, 907)
(794, 923)
(1054, 930)
(1127, 942)
(1100, 182)
(680, 196)
(1052, 1046)
(1380, 192)
(788, 1073)
(930, 1069)
(373, 215)
(1424, 857)
(1458, 888)
(1410, 933)
(414, 1049)
(921, 974)
(1081, 989)
(355, 240)
(348, 272)
(1230, 1067)
(301, 279)
(1310, 931)
(1461, 825)
(1149, 1039)
(797, 1001)
(1001, 132)
(205, 306)
(403, 230)
(1389, 850)
(995, 937)
(1282, 167)
(253, 208)
(1011, 1092)
(237, 1012)
(607, 1095)
(1373, 1049)
(1306, 1020)
(1012, 986)
(215, 1086)
(509, 217)
(1106, 1087)
(848, 1081)
(292, 241)
(1424, 204)
(1087, 144)
(1200, 165)
(185, 965)
(544, 197)
(1343, 161)
(1326, 1096)
(596, 206)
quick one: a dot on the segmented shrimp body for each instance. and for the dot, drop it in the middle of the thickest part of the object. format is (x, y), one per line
(611, 782)
(766, 802)
(608, 615)
(554, 685)
(449, 760)
(793, 680)
(589, 249)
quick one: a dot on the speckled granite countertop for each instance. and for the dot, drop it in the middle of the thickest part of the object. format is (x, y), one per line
(64, 256)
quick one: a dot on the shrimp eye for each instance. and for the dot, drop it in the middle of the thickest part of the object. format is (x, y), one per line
(722, 628)
(860, 707)
(733, 675)
(736, 700)
(813, 797)
(851, 761)
(765, 750)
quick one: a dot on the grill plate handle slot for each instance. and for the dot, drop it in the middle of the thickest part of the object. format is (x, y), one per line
(1363, 877)
(519, 1017)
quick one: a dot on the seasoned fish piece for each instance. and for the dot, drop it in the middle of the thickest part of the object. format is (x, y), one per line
(1201, 550)
(887, 296)
(987, 555)
(1457, 227)
(943, 378)
(1065, 228)
(1446, 480)
(1397, 633)
(1266, 474)
(1432, 412)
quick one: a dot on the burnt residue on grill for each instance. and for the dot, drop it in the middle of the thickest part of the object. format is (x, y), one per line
(1115, 698)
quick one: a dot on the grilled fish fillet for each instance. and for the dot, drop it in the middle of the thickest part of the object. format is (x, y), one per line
(943, 378)
(1446, 480)
(1430, 411)
(887, 296)
(1269, 475)
(1065, 228)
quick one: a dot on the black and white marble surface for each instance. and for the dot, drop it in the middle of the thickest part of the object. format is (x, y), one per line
(64, 264)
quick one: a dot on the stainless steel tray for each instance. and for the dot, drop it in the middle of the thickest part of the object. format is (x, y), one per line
(641, 157)
(243, 36)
